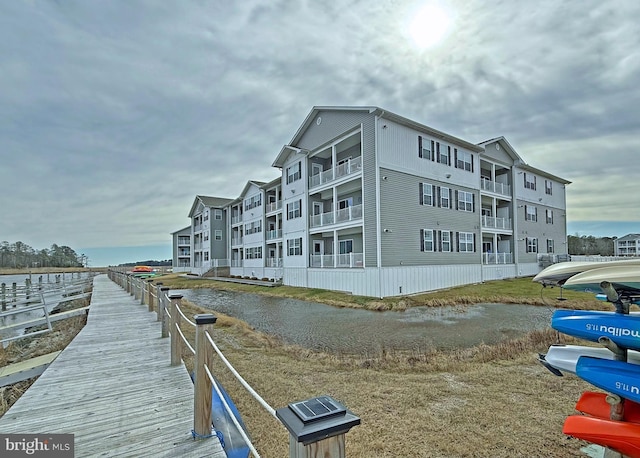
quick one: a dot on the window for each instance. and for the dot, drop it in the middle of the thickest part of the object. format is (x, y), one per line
(466, 242)
(206, 256)
(550, 246)
(465, 201)
(445, 241)
(218, 235)
(206, 236)
(253, 228)
(549, 216)
(293, 209)
(530, 213)
(217, 214)
(426, 240)
(444, 157)
(532, 245)
(345, 246)
(463, 160)
(529, 182)
(251, 202)
(294, 247)
(253, 253)
(426, 194)
(548, 187)
(344, 203)
(425, 148)
(445, 197)
(294, 172)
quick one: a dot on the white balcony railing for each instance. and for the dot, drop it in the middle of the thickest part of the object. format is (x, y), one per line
(497, 258)
(236, 219)
(271, 235)
(273, 262)
(273, 206)
(236, 241)
(342, 215)
(350, 167)
(496, 223)
(348, 260)
(495, 187)
(236, 263)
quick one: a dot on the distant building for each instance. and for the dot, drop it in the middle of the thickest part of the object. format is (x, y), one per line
(375, 204)
(629, 245)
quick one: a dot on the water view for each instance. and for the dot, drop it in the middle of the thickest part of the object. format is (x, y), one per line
(322, 327)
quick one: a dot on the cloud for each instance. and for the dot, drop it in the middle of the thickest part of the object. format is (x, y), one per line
(114, 115)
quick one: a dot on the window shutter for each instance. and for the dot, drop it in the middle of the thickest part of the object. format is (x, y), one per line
(474, 242)
(525, 213)
(457, 241)
(448, 155)
(452, 248)
(455, 158)
(472, 163)
(421, 193)
(437, 196)
(457, 206)
(450, 198)
(534, 182)
(439, 239)
(438, 149)
(433, 151)
(419, 145)
(421, 239)
(473, 203)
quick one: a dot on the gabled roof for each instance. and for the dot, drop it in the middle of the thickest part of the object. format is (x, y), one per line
(188, 228)
(259, 184)
(272, 183)
(291, 146)
(518, 161)
(207, 201)
(629, 237)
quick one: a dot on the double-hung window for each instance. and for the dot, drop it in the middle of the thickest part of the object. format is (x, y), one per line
(294, 247)
(532, 245)
(294, 209)
(426, 148)
(445, 197)
(427, 240)
(548, 188)
(217, 214)
(549, 216)
(529, 181)
(294, 172)
(445, 241)
(444, 157)
(466, 242)
(218, 234)
(465, 201)
(531, 213)
(426, 194)
(550, 246)
(464, 160)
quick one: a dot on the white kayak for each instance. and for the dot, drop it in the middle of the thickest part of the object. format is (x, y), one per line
(563, 358)
(559, 273)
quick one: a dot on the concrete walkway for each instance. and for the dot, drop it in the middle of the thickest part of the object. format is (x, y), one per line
(113, 388)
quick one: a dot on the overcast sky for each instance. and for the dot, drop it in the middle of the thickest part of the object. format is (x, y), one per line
(115, 114)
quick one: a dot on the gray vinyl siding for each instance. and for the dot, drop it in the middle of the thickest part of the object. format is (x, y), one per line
(501, 155)
(218, 247)
(404, 216)
(334, 124)
(369, 193)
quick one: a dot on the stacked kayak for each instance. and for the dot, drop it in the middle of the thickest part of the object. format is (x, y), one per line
(611, 420)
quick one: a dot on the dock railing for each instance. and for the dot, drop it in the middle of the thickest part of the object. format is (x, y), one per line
(307, 434)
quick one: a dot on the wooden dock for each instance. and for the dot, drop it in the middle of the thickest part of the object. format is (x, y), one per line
(113, 387)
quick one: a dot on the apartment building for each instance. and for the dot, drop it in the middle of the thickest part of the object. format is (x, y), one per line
(629, 245)
(372, 203)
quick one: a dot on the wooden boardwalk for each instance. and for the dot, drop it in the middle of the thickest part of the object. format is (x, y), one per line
(113, 388)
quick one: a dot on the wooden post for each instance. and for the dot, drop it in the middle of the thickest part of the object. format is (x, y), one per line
(14, 290)
(176, 301)
(202, 384)
(176, 345)
(150, 290)
(164, 291)
(143, 285)
(3, 295)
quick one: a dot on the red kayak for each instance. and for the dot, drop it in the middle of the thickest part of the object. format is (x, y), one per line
(595, 405)
(621, 436)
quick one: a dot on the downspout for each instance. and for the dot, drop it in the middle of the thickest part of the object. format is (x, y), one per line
(378, 225)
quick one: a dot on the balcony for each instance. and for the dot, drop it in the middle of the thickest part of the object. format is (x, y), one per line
(491, 222)
(273, 206)
(197, 228)
(272, 235)
(273, 262)
(236, 241)
(184, 241)
(497, 258)
(350, 167)
(342, 215)
(184, 253)
(347, 260)
(236, 219)
(495, 187)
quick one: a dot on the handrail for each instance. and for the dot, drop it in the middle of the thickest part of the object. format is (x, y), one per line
(185, 318)
(230, 412)
(184, 339)
(256, 396)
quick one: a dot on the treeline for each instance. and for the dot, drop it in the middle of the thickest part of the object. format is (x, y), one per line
(590, 245)
(166, 262)
(19, 255)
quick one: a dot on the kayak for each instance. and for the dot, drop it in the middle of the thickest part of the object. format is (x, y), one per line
(623, 330)
(621, 436)
(617, 377)
(558, 274)
(623, 278)
(565, 357)
(596, 405)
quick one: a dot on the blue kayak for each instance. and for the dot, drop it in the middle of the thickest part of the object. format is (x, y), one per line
(623, 330)
(617, 377)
